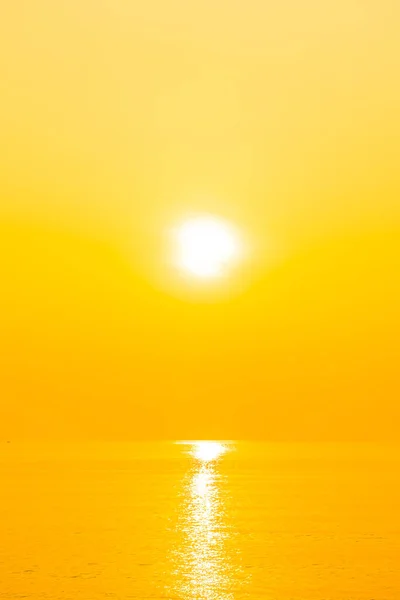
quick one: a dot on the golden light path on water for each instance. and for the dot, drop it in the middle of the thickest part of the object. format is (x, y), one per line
(204, 568)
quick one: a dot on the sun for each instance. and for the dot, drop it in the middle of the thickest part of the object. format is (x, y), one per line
(206, 246)
(208, 451)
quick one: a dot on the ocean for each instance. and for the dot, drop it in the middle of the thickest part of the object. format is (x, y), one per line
(199, 521)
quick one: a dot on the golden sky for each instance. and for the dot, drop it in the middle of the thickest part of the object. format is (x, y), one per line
(117, 120)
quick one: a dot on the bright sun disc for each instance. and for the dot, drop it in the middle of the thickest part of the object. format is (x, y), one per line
(206, 246)
(207, 451)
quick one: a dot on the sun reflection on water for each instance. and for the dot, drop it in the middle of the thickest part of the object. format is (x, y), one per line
(203, 567)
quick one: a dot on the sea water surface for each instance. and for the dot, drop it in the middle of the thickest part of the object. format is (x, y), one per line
(199, 521)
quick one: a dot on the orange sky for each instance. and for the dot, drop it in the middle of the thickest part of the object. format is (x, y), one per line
(119, 118)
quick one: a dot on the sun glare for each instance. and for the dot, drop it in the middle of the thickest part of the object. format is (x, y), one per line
(207, 451)
(207, 246)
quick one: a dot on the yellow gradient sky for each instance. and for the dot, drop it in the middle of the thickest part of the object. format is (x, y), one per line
(117, 120)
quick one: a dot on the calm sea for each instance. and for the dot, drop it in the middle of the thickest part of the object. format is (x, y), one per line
(199, 521)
